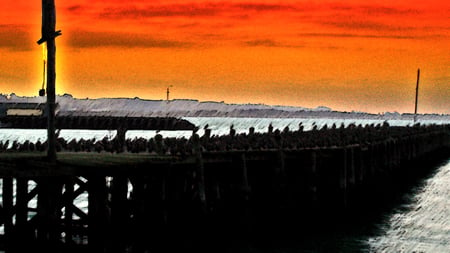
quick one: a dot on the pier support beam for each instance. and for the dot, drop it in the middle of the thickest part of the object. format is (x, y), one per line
(120, 139)
(68, 199)
(7, 197)
(22, 210)
(49, 213)
(98, 214)
(119, 213)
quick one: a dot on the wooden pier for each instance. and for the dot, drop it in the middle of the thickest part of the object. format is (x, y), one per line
(141, 202)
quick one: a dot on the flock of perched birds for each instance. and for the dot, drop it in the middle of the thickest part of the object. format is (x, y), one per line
(326, 136)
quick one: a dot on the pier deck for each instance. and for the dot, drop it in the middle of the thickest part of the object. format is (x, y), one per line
(200, 193)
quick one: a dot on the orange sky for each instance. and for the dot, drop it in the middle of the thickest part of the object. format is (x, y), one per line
(348, 55)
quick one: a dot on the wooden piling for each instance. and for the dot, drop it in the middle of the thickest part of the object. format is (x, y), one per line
(49, 213)
(21, 205)
(98, 214)
(7, 196)
(68, 199)
(120, 139)
(245, 183)
(245, 216)
(200, 171)
(351, 166)
(139, 223)
(313, 179)
(343, 175)
(120, 218)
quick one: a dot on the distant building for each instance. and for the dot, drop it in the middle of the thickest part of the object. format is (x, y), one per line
(21, 109)
(24, 112)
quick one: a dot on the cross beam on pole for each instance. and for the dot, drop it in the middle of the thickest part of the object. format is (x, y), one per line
(48, 36)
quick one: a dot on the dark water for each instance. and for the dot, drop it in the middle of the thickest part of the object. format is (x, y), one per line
(415, 219)
(422, 223)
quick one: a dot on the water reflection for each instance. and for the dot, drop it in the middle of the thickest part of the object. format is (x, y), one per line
(422, 224)
(414, 219)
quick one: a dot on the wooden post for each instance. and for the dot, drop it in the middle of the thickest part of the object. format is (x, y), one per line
(343, 174)
(7, 196)
(98, 215)
(48, 35)
(21, 203)
(246, 189)
(120, 139)
(139, 224)
(23, 236)
(417, 95)
(49, 213)
(68, 204)
(200, 170)
(119, 212)
(351, 167)
(313, 182)
(245, 184)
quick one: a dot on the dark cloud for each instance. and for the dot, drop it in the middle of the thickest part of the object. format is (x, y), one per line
(261, 43)
(75, 8)
(374, 10)
(190, 10)
(210, 36)
(350, 35)
(388, 11)
(347, 23)
(264, 7)
(16, 37)
(341, 7)
(188, 25)
(85, 39)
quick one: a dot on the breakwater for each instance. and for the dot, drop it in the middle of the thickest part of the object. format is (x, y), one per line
(204, 188)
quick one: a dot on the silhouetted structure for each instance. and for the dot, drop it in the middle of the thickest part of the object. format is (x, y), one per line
(201, 188)
(417, 95)
(49, 34)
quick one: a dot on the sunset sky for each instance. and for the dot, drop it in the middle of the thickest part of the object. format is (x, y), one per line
(347, 55)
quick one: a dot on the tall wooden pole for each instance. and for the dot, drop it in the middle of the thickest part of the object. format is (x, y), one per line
(417, 95)
(167, 94)
(48, 36)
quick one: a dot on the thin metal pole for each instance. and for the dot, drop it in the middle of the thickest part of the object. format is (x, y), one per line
(417, 95)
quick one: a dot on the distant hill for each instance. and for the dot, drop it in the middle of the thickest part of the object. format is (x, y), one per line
(136, 107)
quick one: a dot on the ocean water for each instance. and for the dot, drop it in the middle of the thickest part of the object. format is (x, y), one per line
(422, 224)
(416, 220)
